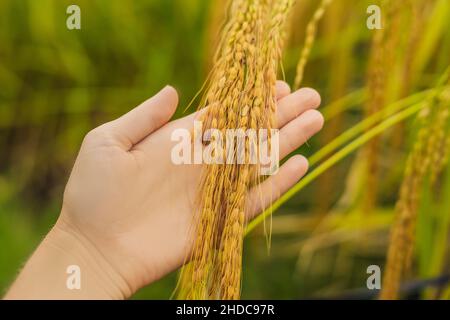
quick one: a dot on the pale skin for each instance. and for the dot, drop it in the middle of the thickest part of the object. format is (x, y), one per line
(128, 210)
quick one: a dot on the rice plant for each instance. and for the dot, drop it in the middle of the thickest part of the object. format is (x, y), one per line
(241, 94)
(377, 189)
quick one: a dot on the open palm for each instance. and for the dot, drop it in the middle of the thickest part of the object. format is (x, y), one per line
(128, 200)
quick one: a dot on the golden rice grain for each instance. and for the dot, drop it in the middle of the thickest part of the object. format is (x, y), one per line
(242, 95)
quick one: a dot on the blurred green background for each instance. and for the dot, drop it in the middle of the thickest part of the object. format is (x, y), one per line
(57, 84)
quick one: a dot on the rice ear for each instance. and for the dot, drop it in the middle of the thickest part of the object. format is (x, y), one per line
(241, 95)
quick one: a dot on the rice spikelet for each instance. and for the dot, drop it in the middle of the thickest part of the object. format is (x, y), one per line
(311, 31)
(419, 166)
(383, 45)
(241, 95)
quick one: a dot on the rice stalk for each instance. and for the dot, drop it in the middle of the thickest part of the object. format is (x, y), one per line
(406, 79)
(336, 21)
(241, 95)
(440, 154)
(336, 158)
(215, 25)
(384, 44)
(365, 125)
(417, 24)
(311, 31)
(418, 167)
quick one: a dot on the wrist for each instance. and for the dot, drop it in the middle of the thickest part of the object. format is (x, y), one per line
(67, 266)
(98, 276)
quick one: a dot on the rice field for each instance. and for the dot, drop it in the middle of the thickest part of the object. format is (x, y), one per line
(377, 189)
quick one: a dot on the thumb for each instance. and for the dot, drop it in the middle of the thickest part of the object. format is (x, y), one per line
(146, 118)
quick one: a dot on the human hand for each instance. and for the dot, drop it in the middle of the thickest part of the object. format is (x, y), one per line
(130, 209)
